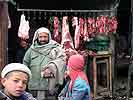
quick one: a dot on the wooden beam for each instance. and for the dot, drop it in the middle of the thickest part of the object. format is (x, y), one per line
(3, 33)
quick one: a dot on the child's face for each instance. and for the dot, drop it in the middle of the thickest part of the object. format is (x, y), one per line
(68, 71)
(15, 83)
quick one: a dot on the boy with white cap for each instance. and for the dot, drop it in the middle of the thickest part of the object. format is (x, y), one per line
(14, 79)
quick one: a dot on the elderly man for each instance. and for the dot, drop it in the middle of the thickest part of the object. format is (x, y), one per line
(46, 60)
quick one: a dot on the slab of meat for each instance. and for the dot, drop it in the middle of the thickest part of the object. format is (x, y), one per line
(23, 31)
(66, 40)
(81, 26)
(86, 35)
(91, 26)
(77, 32)
(56, 34)
(112, 25)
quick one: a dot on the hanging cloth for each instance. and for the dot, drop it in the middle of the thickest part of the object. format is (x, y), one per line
(23, 31)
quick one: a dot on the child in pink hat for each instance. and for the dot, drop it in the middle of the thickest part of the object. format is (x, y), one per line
(78, 88)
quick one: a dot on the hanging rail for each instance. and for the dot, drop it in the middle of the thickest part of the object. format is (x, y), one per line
(42, 10)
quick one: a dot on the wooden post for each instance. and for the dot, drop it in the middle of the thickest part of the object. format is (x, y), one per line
(3, 32)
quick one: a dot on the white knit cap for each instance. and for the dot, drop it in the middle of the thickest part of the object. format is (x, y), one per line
(15, 67)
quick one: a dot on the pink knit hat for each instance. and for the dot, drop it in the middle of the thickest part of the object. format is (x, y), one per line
(76, 62)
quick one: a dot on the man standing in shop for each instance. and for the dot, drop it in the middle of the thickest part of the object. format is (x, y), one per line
(46, 60)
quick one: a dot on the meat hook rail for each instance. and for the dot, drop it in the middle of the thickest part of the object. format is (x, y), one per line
(43, 10)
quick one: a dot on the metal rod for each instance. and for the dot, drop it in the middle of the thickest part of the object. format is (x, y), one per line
(43, 10)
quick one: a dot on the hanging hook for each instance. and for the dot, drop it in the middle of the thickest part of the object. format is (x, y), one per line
(66, 13)
(40, 15)
(89, 14)
(22, 12)
(45, 15)
(28, 14)
(56, 14)
(75, 14)
(50, 14)
(34, 14)
(80, 14)
(93, 14)
(61, 14)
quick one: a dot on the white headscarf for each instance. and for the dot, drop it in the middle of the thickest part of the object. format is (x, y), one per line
(40, 30)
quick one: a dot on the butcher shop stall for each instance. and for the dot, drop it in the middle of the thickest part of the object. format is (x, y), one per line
(89, 31)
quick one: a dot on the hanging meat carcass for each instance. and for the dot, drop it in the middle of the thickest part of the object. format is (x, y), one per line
(115, 23)
(23, 31)
(83, 33)
(67, 42)
(104, 20)
(81, 26)
(56, 35)
(101, 24)
(91, 26)
(86, 35)
(66, 37)
(77, 32)
(98, 25)
(112, 25)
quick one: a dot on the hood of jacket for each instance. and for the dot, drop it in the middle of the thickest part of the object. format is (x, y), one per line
(51, 43)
